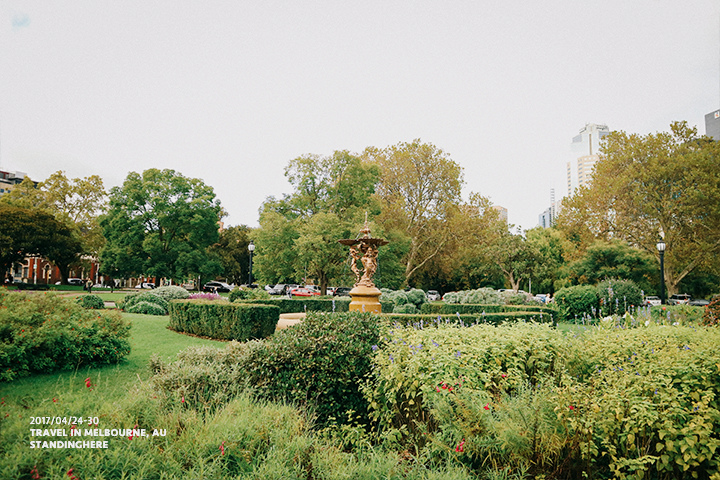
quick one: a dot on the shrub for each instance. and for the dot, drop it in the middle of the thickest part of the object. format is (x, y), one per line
(248, 294)
(618, 296)
(206, 296)
(297, 305)
(577, 302)
(91, 301)
(45, 333)
(510, 297)
(171, 292)
(405, 308)
(127, 303)
(146, 308)
(711, 317)
(223, 320)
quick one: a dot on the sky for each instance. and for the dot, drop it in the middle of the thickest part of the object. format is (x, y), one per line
(231, 91)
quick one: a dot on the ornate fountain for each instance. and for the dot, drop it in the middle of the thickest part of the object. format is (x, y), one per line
(364, 250)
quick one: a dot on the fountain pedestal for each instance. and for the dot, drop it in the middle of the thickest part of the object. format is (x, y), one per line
(365, 299)
(365, 296)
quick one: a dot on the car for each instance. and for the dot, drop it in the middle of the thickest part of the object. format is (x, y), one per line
(216, 287)
(433, 295)
(342, 292)
(278, 289)
(303, 292)
(145, 285)
(652, 301)
(541, 298)
(679, 299)
(697, 302)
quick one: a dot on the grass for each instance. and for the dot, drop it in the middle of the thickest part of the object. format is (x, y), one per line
(149, 334)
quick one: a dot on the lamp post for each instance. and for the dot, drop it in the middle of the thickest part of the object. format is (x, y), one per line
(661, 249)
(251, 249)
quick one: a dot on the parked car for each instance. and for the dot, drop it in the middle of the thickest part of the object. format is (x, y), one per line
(303, 292)
(698, 302)
(540, 297)
(433, 295)
(278, 289)
(652, 300)
(342, 292)
(145, 285)
(218, 287)
(679, 299)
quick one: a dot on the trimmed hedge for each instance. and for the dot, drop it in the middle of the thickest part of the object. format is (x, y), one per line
(292, 305)
(91, 301)
(466, 308)
(468, 319)
(223, 320)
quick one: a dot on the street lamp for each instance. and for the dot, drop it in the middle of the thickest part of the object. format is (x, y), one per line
(661, 249)
(251, 249)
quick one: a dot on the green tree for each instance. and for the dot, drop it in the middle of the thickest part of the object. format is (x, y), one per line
(645, 187)
(232, 251)
(160, 224)
(298, 234)
(28, 232)
(548, 246)
(419, 190)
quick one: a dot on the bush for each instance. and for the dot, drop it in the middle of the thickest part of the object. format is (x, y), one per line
(171, 292)
(310, 304)
(618, 296)
(223, 320)
(91, 301)
(248, 294)
(130, 300)
(146, 308)
(711, 317)
(578, 302)
(45, 333)
(405, 308)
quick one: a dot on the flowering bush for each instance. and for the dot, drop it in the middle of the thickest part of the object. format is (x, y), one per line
(205, 296)
(171, 292)
(91, 301)
(578, 302)
(45, 333)
(129, 301)
(711, 317)
(618, 296)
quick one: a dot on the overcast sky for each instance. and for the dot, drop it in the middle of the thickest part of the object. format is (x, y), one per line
(230, 91)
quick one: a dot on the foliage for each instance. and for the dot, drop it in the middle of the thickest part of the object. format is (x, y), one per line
(171, 292)
(618, 296)
(403, 301)
(223, 320)
(91, 301)
(232, 251)
(26, 232)
(308, 304)
(405, 308)
(614, 259)
(711, 317)
(645, 187)
(480, 296)
(42, 333)
(133, 299)
(160, 224)
(577, 302)
(321, 362)
(248, 294)
(469, 308)
(146, 308)
(205, 296)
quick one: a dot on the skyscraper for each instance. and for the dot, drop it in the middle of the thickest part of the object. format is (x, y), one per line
(586, 149)
(712, 125)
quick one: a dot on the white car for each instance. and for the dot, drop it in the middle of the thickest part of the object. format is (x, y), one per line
(145, 285)
(652, 301)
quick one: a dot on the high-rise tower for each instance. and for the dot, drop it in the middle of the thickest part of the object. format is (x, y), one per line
(586, 149)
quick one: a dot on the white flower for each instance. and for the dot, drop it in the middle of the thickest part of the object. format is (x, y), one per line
(647, 323)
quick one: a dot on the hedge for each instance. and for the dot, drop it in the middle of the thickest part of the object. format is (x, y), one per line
(223, 320)
(466, 308)
(292, 305)
(468, 319)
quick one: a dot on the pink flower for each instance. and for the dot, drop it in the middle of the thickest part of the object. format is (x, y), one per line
(182, 400)
(461, 446)
(487, 406)
(222, 448)
(504, 375)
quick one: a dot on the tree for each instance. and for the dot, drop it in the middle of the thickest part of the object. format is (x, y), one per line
(549, 248)
(28, 232)
(232, 250)
(298, 234)
(160, 224)
(615, 259)
(648, 187)
(78, 203)
(419, 190)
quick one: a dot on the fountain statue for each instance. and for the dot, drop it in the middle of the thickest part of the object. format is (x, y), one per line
(364, 249)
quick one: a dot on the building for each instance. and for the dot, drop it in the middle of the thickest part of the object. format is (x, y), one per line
(586, 150)
(9, 179)
(712, 125)
(547, 218)
(502, 212)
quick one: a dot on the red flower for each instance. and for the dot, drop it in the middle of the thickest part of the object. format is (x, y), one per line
(182, 400)
(572, 407)
(222, 448)
(55, 400)
(504, 375)
(461, 446)
(88, 383)
(487, 406)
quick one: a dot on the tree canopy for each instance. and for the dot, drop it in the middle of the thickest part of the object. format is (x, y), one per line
(664, 185)
(160, 224)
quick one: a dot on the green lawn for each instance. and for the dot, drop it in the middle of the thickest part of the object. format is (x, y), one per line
(149, 334)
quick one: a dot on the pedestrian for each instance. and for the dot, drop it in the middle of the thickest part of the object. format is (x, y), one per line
(89, 285)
